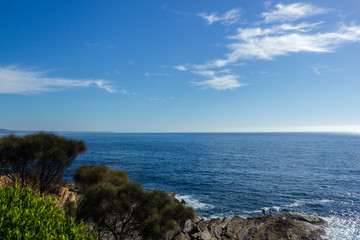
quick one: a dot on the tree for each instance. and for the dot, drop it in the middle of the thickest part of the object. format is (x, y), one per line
(37, 160)
(124, 209)
(25, 215)
(88, 175)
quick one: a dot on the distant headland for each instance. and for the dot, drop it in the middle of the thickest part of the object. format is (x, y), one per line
(2, 130)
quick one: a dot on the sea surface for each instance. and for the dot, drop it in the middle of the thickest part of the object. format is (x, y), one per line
(227, 174)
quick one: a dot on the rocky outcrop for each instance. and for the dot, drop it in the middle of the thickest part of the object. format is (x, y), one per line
(66, 192)
(290, 226)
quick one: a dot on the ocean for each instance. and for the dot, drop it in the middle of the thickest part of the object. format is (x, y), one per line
(227, 174)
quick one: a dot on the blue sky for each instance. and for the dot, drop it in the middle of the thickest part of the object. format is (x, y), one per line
(180, 66)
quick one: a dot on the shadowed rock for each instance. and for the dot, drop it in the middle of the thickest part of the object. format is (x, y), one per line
(292, 226)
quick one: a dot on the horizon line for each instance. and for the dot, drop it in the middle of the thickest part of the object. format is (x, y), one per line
(350, 129)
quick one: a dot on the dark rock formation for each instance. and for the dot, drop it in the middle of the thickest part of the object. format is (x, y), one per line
(292, 226)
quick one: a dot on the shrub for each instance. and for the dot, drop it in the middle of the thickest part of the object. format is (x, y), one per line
(124, 209)
(37, 160)
(88, 175)
(25, 215)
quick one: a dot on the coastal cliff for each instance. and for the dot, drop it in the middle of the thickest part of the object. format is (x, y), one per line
(287, 226)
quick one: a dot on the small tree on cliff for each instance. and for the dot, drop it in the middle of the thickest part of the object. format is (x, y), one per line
(37, 160)
(124, 209)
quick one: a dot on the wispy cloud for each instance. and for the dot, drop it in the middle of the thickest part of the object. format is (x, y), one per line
(320, 69)
(291, 12)
(206, 73)
(210, 73)
(268, 75)
(156, 74)
(165, 100)
(316, 70)
(123, 91)
(181, 67)
(268, 43)
(230, 17)
(275, 35)
(222, 82)
(249, 33)
(14, 80)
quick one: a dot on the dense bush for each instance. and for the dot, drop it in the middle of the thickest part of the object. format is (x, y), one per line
(25, 215)
(37, 160)
(124, 209)
(88, 175)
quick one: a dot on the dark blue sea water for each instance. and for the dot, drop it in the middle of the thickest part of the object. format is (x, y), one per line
(227, 174)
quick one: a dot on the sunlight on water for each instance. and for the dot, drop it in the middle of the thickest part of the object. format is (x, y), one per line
(343, 228)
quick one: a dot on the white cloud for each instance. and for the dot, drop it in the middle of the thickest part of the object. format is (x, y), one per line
(181, 67)
(218, 80)
(223, 82)
(265, 44)
(210, 73)
(270, 46)
(207, 73)
(230, 17)
(14, 80)
(291, 12)
(277, 35)
(249, 33)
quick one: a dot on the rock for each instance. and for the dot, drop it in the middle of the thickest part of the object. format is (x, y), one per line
(289, 226)
(67, 192)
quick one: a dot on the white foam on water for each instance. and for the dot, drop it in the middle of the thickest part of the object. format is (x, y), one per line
(273, 208)
(216, 216)
(278, 209)
(252, 212)
(342, 228)
(326, 201)
(297, 203)
(230, 216)
(193, 202)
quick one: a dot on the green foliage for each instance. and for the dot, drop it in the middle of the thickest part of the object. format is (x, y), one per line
(125, 209)
(88, 175)
(25, 215)
(37, 160)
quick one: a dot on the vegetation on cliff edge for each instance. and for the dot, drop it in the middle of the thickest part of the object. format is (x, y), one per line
(37, 160)
(25, 215)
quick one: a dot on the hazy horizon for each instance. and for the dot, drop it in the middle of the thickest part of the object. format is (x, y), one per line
(313, 129)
